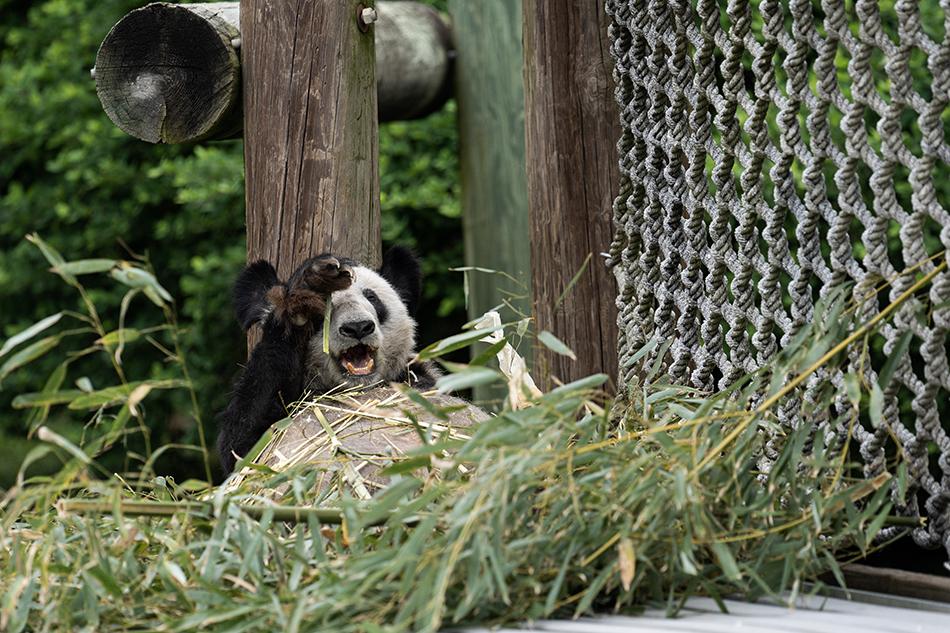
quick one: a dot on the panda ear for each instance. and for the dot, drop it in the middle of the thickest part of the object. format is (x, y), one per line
(250, 293)
(402, 270)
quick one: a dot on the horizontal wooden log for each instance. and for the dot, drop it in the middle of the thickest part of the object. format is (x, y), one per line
(171, 73)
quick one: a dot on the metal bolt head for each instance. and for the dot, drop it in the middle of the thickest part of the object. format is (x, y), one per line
(365, 16)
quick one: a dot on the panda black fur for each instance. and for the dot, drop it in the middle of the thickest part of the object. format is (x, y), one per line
(372, 338)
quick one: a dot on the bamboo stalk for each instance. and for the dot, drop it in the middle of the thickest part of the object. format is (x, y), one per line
(292, 514)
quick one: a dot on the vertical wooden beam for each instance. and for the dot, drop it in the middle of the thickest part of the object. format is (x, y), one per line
(310, 151)
(489, 87)
(571, 131)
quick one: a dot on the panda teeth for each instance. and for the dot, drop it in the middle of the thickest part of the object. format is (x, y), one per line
(358, 360)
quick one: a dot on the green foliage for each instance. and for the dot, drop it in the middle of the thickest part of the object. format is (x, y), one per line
(69, 174)
(563, 507)
(419, 185)
(78, 340)
(72, 176)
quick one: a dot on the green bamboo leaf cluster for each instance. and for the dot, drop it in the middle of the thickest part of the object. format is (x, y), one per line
(88, 340)
(573, 505)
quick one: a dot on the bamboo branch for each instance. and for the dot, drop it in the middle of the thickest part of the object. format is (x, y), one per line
(292, 514)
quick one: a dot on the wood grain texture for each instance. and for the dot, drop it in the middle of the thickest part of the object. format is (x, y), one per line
(571, 131)
(310, 153)
(373, 429)
(490, 92)
(489, 87)
(897, 582)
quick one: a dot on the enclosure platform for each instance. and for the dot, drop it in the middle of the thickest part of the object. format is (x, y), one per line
(864, 613)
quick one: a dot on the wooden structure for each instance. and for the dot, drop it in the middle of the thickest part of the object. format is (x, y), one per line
(489, 87)
(171, 73)
(537, 188)
(310, 151)
(354, 435)
(571, 127)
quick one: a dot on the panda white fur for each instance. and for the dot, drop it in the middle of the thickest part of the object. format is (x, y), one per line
(371, 338)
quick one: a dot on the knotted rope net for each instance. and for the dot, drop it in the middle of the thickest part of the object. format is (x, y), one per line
(772, 151)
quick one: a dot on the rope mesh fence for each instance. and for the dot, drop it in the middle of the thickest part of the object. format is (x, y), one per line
(772, 151)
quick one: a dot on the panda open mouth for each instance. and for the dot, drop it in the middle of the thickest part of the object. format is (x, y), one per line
(358, 360)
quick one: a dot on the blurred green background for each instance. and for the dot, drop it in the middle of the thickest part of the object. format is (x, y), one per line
(67, 173)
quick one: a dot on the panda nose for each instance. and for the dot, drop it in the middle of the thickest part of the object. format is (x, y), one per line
(357, 329)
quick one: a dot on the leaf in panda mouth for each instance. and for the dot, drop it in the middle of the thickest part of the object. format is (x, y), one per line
(326, 328)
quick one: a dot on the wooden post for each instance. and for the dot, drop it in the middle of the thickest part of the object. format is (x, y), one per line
(310, 131)
(490, 90)
(571, 131)
(171, 73)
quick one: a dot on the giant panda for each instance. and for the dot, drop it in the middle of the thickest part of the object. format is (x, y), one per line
(371, 339)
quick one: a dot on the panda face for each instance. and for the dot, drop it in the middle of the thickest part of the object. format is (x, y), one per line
(371, 338)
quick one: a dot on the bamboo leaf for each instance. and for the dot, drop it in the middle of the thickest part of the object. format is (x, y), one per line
(404, 466)
(876, 405)
(489, 353)
(455, 342)
(55, 380)
(467, 379)
(52, 256)
(648, 347)
(556, 345)
(84, 266)
(423, 402)
(726, 560)
(554, 592)
(118, 394)
(136, 277)
(137, 395)
(326, 327)
(853, 388)
(175, 572)
(894, 358)
(573, 281)
(877, 523)
(105, 580)
(36, 453)
(30, 332)
(583, 384)
(255, 450)
(28, 354)
(45, 434)
(121, 336)
(627, 561)
(43, 398)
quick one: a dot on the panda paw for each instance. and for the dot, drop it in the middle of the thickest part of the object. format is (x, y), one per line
(327, 274)
(306, 296)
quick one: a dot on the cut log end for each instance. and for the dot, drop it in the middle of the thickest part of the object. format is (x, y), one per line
(171, 89)
(352, 437)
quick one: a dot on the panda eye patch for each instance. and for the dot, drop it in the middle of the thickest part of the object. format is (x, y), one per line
(381, 312)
